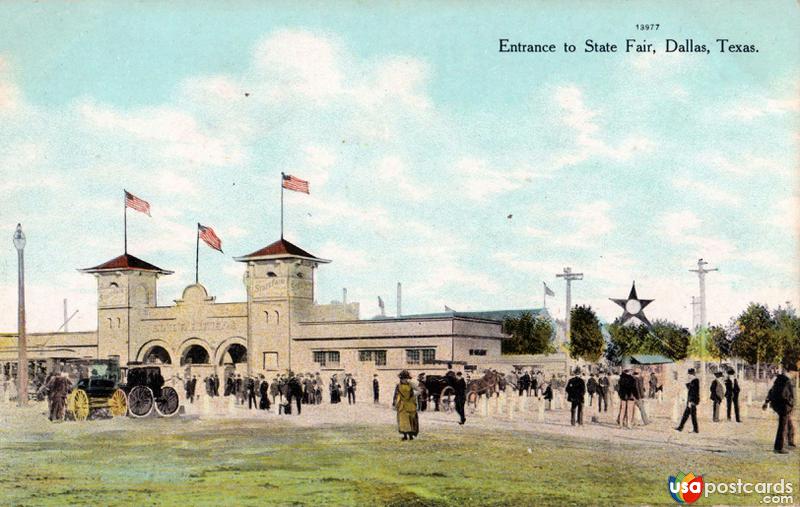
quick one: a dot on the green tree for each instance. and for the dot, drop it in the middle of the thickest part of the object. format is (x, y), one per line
(586, 339)
(722, 341)
(786, 336)
(753, 338)
(529, 335)
(671, 339)
(624, 340)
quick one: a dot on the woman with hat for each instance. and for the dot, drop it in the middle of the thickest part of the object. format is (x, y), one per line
(406, 405)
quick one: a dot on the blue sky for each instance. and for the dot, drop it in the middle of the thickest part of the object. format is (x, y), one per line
(418, 139)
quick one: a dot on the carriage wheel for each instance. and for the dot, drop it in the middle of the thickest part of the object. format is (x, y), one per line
(447, 399)
(78, 405)
(140, 401)
(118, 403)
(167, 405)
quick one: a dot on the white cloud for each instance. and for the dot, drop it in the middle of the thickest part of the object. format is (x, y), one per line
(590, 222)
(393, 171)
(706, 190)
(743, 165)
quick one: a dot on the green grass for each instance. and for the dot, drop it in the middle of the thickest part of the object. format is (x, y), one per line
(189, 462)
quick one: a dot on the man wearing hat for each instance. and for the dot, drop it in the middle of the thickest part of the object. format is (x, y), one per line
(460, 388)
(376, 389)
(350, 388)
(717, 392)
(692, 399)
(732, 394)
(576, 389)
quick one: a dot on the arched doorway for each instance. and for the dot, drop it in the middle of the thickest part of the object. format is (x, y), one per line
(234, 354)
(194, 354)
(157, 355)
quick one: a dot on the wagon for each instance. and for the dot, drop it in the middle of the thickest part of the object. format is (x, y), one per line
(103, 393)
(147, 393)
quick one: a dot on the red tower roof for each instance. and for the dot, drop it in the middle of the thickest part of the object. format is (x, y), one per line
(279, 249)
(123, 263)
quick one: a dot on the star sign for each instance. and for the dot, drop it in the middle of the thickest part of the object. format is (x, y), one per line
(633, 306)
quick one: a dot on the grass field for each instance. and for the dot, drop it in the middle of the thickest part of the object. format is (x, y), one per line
(251, 462)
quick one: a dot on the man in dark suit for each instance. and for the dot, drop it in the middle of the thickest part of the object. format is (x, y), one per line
(263, 392)
(781, 399)
(350, 387)
(717, 392)
(603, 386)
(732, 394)
(692, 399)
(295, 391)
(250, 384)
(576, 389)
(460, 387)
(376, 389)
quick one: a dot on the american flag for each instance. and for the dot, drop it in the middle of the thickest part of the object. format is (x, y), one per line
(211, 239)
(292, 183)
(133, 202)
(548, 290)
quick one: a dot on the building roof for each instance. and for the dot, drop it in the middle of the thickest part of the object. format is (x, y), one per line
(125, 262)
(498, 315)
(649, 359)
(280, 249)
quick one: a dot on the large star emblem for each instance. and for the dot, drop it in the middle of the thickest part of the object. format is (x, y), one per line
(633, 306)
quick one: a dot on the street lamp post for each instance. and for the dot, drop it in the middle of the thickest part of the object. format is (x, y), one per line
(22, 363)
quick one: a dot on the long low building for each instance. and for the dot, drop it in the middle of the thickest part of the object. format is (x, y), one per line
(278, 328)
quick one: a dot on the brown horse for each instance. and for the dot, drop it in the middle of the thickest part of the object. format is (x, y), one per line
(487, 386)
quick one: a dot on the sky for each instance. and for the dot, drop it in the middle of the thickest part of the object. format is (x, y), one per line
(469, 175)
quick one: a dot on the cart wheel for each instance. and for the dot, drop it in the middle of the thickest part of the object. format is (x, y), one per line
(447, 399)
(140, 401)
(167, 404)
(118, 403)
(78, 405)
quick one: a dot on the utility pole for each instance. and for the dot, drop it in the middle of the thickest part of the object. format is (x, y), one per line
(701, 275)
(695, 315)
(22, 339)
(569, 276)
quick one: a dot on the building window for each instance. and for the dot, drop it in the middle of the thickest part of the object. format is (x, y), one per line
(428, 356)
(326, 357)
(378, 356)
(477, 352)
(412, 356)
(271, 274)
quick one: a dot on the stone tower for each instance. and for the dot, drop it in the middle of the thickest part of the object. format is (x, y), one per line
(280, 291)
(126, 287)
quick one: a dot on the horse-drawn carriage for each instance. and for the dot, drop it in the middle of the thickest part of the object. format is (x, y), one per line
(99, 390)
(440, 389)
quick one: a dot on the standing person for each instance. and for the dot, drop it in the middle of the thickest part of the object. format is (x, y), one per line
(376, 389)
(208, 382)
(626, 387)
(602, 392)
(639, 394)
(460, 387)
(275, 390)
(350, 387)
(238, 387)
(263, 392)
(781, 399)
(58, 388)
(576, 389)
(535, 384)
(548, 396)
(251, 393)
(333, 388)
(732, 394)
(653, 383)
(295, 391)
(591, 388)
(717, 393)
(405, 402)
(229, 381)
(692, 399)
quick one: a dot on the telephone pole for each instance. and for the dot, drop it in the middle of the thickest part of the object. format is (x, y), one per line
(569, 276)
(701, 275)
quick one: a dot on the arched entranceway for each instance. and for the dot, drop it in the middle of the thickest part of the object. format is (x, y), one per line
(194, 354)
(235, 353)
(157, 355)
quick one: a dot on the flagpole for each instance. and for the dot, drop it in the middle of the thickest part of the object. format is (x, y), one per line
(281, 205)
(544, 297)
(197, 254)
(125, 220)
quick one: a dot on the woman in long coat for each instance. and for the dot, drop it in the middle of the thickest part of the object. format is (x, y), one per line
(405, 403)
